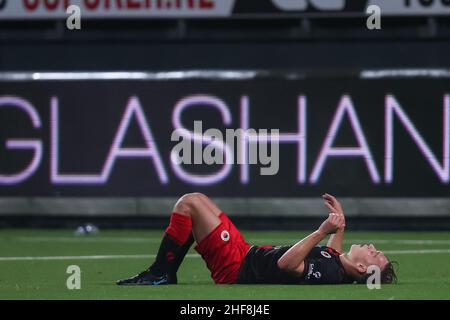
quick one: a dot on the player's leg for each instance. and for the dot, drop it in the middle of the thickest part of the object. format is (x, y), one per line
(213, 209)
(192, 217)
(191, 214)
(204, 215)
(208, 202)
(220, 243)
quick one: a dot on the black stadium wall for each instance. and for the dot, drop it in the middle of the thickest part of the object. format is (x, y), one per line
(77, 144)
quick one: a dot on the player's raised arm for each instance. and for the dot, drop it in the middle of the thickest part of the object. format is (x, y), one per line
(334, 206)
(293, 259)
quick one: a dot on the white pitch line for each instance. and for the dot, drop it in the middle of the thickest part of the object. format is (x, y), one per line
(93, 239)
(94, 257)
(398, 241)
(375, 241)
(351, 241)
(150, 256)
(88, 239)
(428, 251)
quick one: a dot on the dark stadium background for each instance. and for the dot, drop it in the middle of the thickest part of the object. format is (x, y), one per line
(321, 54)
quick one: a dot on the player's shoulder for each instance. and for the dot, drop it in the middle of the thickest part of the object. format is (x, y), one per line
(323, 253)
(323, 265)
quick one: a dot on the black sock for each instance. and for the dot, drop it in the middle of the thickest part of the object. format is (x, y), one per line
(167, 253)
(181, 254)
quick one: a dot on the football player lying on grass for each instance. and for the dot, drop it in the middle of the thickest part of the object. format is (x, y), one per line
(232, 260)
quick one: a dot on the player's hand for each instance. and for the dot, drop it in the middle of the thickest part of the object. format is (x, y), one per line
(333, 205)
(332, 224)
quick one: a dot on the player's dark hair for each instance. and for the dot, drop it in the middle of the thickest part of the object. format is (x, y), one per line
(388, 274)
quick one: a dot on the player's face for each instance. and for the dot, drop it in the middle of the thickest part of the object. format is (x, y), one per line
(368, 255)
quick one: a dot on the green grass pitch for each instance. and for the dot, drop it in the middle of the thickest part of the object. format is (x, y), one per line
(33, 265)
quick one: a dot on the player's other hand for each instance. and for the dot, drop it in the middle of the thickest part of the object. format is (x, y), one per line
(333, 204)
(332, 224)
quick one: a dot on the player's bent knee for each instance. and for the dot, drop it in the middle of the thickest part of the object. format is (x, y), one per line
(191, 199)
(202, 196)
(182, 208)
(195, 195)
(187, 203)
